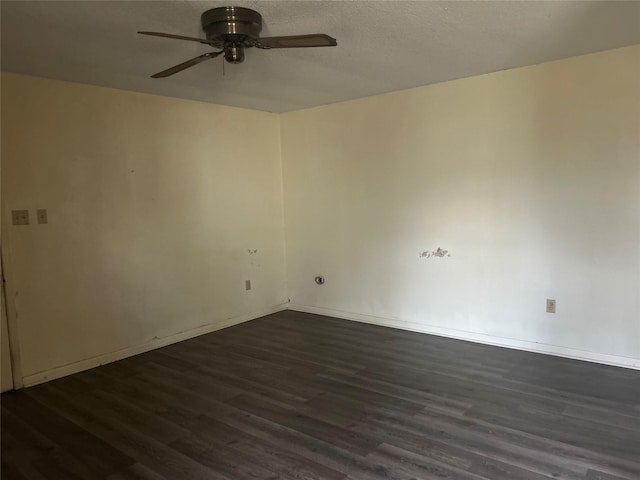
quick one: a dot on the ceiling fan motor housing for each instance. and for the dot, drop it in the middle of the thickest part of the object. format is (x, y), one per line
(232, 29)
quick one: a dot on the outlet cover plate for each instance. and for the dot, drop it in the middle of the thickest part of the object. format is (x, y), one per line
(20, 217)
(551, 305)
(42, 215)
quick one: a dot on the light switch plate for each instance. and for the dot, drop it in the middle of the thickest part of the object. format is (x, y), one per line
(42, 215)
(20, 217)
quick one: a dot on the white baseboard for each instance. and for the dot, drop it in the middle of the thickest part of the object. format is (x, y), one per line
(92, 362)
(528, 346)
(548, 349)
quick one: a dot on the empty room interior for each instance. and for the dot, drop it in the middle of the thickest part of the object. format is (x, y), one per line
(343, 240)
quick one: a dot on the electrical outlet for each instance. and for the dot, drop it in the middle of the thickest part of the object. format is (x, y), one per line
(20, 217)
(42, 215)
(551, 305)
(247, 284)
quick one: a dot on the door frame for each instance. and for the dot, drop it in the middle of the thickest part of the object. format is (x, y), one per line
(8, 301)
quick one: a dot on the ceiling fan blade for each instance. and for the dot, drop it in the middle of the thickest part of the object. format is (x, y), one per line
(185, 65)
(297, 41)
(177, 37)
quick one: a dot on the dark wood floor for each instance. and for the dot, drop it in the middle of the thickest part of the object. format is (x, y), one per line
(297, 396)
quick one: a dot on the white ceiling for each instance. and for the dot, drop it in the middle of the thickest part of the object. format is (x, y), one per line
(382, 45)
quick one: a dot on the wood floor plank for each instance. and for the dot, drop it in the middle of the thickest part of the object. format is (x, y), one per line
(445, 451)
(616, 442)
(269, 456)
(555, 454)
(340, 437)
(596, 475)
(97, 455)
(403, 464)
(325, 452)
(301, 396)
(221, 458)
(20, 442)
(137, 471)
(459, 437)
(10, 471)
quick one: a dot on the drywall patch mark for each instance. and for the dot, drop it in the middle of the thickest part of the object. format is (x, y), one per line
(254, 263)
(441, 253)
(435, 253)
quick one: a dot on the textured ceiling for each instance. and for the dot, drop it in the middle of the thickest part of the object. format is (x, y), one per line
(382, 45)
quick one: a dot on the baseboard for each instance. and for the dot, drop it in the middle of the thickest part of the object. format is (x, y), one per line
(92, 362)
(69, 369)
(528, 346)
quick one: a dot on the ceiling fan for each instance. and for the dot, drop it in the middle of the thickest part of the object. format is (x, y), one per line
(233, 29)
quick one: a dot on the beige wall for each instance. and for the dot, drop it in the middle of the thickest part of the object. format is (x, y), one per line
(530, 178)
(154, 204)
